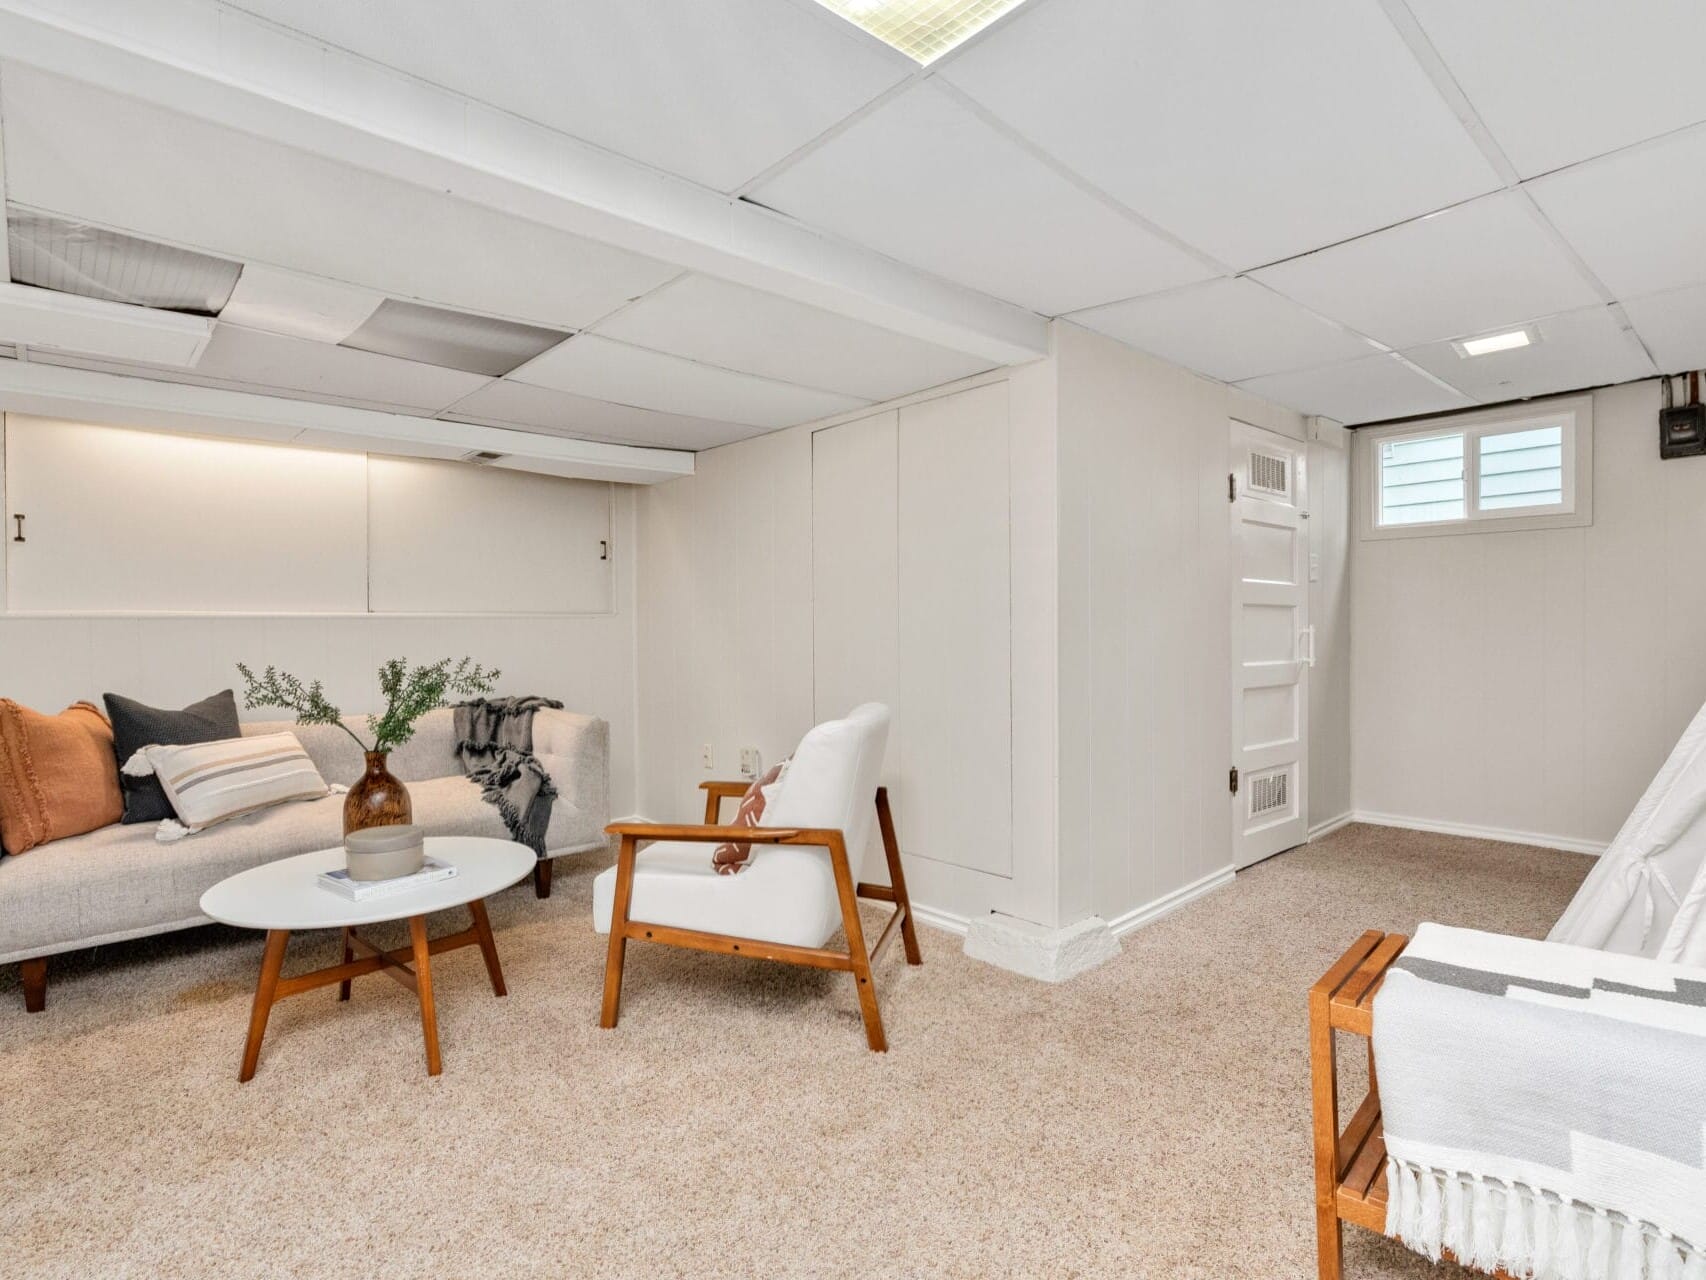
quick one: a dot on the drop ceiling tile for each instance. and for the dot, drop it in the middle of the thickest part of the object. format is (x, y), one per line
(451, 339)
(716, 322)
(1368, 390)
(596, 367)
(88, 153)
(1582, 349)
(506, 403)
(1253, 131)
(296, 368)
(298, 306)
(1461, 271)
(714, 92)
(1635, 216)
(1673, 325)
(1227, 329)
(1557, 86)
(924, 180)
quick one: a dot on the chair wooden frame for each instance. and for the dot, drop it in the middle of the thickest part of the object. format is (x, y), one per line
(1350, 1165)
(855, 959)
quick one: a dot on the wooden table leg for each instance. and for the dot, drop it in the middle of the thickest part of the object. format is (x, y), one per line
(349, 954)
(423, 985)
(272, 960)
(488, 947)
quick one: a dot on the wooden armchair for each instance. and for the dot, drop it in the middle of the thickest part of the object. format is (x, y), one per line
(778, 908)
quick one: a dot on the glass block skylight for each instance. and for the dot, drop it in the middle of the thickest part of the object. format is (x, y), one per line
(921, 29)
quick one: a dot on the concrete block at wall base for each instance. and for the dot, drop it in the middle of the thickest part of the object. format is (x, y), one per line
(1053, 955)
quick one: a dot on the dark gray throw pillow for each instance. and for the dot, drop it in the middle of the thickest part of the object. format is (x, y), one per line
(137, 725)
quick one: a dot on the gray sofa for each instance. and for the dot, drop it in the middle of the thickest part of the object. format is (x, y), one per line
(120, 882)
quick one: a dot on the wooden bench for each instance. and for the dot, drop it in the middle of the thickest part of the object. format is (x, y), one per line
(1350, 1164)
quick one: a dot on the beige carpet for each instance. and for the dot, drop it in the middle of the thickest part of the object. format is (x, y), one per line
(1149, 1119)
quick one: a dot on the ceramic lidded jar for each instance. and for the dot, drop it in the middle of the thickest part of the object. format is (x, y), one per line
(383, 853)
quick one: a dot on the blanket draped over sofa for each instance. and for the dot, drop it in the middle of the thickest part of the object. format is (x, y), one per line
(494, 741)
(1544, 1107)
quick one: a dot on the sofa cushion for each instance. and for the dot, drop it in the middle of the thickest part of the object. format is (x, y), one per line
(137, 725)
(58, 777)
(430, 753)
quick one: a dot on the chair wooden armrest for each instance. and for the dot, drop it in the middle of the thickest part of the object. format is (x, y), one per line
(706, 833)
(717, 792)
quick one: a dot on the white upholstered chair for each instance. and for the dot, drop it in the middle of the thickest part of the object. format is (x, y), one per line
(797, 889)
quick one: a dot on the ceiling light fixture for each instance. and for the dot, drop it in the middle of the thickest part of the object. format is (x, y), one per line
(921, 29)
(1492, 342)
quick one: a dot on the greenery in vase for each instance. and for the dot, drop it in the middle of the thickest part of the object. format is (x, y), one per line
(410, 692)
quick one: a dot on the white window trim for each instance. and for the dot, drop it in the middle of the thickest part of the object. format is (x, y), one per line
(1577, 415)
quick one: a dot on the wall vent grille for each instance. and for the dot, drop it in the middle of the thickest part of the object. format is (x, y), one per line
(1269, 793)
(1270, 474)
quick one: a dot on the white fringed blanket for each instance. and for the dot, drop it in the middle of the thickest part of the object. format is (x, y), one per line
(1544, 1107)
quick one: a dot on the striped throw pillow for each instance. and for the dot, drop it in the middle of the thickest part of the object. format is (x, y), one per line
(208, 782)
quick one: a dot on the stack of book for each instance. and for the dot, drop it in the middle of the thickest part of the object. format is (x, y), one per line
(363, 890)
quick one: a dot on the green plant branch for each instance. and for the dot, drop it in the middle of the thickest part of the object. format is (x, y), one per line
(409, 694)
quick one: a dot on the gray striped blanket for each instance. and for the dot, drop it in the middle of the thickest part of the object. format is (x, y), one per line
(1544, 1107)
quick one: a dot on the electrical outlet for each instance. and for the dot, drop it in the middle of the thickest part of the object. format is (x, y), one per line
(706, 758)
(749, 761)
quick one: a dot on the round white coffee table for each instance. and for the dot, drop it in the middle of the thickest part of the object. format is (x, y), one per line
(285, 896)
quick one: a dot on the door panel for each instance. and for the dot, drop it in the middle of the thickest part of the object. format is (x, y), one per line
(1272, 645)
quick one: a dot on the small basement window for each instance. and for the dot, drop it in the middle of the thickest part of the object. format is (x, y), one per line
(1524, 467)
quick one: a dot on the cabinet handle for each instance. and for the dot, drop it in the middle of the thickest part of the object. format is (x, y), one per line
(603, 548)
(19, 537)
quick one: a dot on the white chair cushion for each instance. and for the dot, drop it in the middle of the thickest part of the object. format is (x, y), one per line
(786, 894)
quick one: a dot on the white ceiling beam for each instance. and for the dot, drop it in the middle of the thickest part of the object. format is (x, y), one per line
(506, 163)
(88, 396)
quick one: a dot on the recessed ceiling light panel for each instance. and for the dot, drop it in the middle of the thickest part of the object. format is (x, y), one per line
(92, 262)
(1489, 343)
(921, 29)
(451, 339)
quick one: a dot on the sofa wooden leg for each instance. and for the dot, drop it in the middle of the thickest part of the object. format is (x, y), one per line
(542, 878)
(35, 984)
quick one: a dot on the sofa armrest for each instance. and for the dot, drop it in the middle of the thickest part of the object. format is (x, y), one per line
(575, 749)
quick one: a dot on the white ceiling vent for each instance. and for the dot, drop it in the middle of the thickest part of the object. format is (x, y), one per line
(483, 457)
(451, 339)
(92, 262)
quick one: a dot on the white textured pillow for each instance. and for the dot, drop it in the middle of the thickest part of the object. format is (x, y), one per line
(208, 782)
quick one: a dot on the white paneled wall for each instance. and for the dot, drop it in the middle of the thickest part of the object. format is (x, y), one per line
(1330, 614)
(904, 556)
(1531, 683)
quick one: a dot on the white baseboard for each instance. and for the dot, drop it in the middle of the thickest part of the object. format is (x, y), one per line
(1137, 917)
(1332, 824)
(936, 918)
(1567, 844)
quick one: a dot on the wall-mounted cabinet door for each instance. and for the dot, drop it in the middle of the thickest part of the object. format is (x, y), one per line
(955, 669)
(452, 538)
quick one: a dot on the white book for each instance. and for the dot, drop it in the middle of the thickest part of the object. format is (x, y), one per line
(339, 881)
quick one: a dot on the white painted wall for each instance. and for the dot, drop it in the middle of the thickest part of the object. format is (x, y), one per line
(50, 659)
(1531, 683)
(1145, 648)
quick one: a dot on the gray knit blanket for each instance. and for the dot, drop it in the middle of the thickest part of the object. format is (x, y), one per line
(494, 741)
(1544, 1107)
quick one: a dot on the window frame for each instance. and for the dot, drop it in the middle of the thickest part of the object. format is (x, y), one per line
(1573, 413)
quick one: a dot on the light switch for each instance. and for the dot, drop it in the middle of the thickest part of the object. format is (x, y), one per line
(1314, 566)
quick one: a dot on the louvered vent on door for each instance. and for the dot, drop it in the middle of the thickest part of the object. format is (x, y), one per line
(1270, 473)
(1268, 793)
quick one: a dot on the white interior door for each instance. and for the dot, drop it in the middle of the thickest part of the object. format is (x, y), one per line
(1273, 645)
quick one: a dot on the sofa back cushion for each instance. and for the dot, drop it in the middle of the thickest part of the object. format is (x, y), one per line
(58, 775)
(431, 753)
(137, 725)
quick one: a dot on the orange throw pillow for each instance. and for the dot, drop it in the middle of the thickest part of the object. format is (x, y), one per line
(58, 776)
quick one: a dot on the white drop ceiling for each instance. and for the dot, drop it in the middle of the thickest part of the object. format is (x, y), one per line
(752, 213)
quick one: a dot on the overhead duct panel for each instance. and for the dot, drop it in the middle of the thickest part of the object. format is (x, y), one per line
(92, 262)
(451, 339)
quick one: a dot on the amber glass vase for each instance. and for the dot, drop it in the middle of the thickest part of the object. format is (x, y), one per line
(377, 799)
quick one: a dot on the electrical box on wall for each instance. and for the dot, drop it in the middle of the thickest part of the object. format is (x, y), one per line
(1682, 428)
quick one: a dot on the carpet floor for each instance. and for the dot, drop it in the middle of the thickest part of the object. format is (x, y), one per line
(1148, 1119)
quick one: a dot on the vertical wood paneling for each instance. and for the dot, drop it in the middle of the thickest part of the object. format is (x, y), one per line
(1533, 682)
